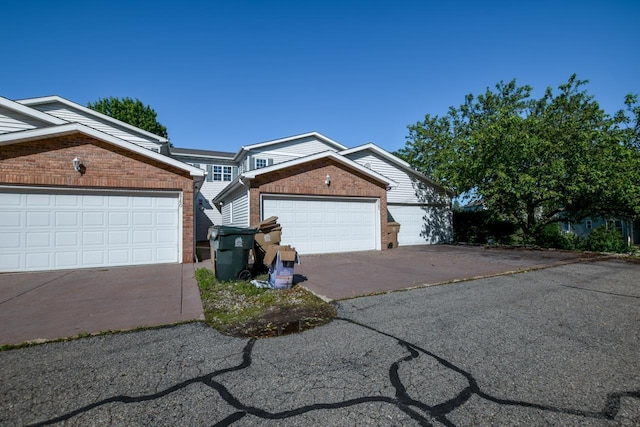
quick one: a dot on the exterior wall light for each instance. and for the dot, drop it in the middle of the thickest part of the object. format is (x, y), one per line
(327, 180)
(76, 164)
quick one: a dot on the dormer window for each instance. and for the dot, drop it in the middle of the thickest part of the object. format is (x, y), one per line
(261, 163)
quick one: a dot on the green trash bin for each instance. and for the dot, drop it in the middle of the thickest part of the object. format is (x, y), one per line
(232, 246)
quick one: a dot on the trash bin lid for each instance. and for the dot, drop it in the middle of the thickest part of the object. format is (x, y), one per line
(227, 230)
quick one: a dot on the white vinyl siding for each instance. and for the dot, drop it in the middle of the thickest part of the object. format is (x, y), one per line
(421, 225)
(61, 229)
(235, 212)
(408, 187)
(66, 113)
(316, 225)
(286, 151)
(11, 121)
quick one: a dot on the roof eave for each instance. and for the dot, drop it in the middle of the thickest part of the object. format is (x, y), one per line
(55, 98)
(71, 128)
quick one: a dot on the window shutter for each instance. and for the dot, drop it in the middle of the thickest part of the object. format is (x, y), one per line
(209, 173)
(269, 162)
(251, 165)
(234, 173)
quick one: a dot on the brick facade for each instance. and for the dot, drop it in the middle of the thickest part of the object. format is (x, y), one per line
(308, 179)
(48, 162)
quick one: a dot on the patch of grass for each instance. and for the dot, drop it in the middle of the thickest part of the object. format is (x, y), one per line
(240, 309)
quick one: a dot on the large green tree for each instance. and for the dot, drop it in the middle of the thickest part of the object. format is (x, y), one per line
(530, 160)
(131, 111)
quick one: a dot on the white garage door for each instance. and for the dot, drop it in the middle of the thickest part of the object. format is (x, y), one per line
(71, 229)
(421, 225)
(325, 225)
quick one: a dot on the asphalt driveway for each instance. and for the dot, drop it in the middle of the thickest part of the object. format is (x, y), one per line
(555, 346)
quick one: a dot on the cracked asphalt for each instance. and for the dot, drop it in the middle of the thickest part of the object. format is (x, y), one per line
(559, 346)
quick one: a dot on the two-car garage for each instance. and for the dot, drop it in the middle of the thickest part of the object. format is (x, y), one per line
(49, 229)
(326, 224)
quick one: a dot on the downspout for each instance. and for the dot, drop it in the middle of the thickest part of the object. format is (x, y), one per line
(197, 184)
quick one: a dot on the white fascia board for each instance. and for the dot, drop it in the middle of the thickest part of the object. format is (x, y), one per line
(318, 135)
(30, 112)
(396, 160)
(71, 128)
(325, 154)
(85, 110)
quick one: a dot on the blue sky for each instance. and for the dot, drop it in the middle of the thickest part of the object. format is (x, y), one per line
(225, 74)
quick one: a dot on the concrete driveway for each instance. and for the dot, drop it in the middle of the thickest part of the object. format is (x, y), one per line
(56, 304)
(348, 275)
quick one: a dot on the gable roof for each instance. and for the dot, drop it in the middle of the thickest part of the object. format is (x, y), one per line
(72, 128)
(396, 161)
(30, 112)
(314, 134)
(54, 99)
(236, 183)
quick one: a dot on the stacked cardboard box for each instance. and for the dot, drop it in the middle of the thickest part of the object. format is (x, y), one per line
(269, 233)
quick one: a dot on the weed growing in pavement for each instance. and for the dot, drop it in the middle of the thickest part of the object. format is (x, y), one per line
(241, 309)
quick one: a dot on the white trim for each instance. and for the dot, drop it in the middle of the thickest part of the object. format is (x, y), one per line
(88, 190)
(248, 224)
(27, 111)
(71, 128)
(322, 155)
(181, 227)
(318, 135)
(234, 185)
(55, 98)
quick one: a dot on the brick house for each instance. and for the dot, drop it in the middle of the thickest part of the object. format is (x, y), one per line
(80, 189)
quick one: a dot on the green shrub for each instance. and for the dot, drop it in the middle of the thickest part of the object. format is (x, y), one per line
(552, 237)
(603, 239)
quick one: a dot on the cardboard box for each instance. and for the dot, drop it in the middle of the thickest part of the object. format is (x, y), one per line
(266, 239)
(281, 260)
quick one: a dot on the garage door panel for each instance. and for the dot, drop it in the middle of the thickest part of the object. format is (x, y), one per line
(93, 219)
(319, 225)
(38, 219)
(11, 241)
(40, 231)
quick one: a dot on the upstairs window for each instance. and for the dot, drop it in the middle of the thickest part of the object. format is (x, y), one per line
(222, 173)
(217, 172)
(261, 163)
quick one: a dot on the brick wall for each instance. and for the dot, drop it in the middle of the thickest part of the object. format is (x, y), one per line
(308, 179)
(48, 162)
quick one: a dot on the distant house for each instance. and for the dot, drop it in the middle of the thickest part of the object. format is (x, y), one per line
(584, 227)
(81, 189)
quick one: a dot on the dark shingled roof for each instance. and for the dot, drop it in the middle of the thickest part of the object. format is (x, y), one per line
(194, 152)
